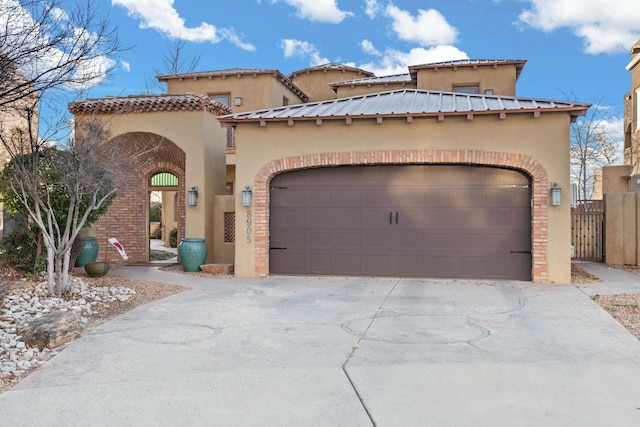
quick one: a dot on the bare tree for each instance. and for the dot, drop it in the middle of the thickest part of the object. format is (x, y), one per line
(52, 48)
(63, 189)
(174, 61)
(48, 54)
(593, 145)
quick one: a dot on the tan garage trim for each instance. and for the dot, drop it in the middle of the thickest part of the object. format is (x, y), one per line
(527, 164)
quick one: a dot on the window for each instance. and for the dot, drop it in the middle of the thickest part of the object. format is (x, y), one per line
(223, 99)
(466, 89)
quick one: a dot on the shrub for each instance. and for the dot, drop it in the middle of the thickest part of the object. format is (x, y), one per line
(155, 213)
(21, 250)
(173, 238)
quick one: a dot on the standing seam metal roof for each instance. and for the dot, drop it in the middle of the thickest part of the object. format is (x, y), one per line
(408, 102)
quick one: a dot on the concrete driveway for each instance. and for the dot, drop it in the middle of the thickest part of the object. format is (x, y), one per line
(294, 351)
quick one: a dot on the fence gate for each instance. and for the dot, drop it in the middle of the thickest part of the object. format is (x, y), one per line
(587, 230)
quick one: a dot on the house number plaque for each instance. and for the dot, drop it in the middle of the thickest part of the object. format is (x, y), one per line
(249, 224)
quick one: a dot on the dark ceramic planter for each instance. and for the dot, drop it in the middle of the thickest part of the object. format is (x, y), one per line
(96, 269)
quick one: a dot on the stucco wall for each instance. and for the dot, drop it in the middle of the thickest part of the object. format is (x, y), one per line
(223, 251)
(501, 79)
(622, 216)
(538, 146)
(315, 83)
(256, 90)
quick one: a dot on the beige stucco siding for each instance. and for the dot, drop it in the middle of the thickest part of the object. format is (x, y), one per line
(544, 140)
(502, 79)
(257, 91)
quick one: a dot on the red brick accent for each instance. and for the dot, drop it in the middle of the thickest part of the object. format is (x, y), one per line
(524, 163)
(127, 219)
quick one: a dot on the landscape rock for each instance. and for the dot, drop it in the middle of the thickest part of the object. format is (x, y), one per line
(52, 330)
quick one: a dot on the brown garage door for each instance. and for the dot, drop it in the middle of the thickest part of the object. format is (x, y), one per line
(404, 221)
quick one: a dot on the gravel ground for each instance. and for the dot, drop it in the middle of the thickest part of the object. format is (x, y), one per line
(624, 308)
(145, 292)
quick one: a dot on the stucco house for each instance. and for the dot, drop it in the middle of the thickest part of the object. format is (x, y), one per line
(440, 172)
(619, 186)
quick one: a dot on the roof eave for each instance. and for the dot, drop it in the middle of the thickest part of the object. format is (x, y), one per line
(572, 111)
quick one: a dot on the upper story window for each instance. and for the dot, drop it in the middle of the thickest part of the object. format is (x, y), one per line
(471, 89)
(222, 98)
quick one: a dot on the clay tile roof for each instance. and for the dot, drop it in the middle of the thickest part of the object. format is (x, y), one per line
(147, 104)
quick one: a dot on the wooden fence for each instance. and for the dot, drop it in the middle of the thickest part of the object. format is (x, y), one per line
(587, 231)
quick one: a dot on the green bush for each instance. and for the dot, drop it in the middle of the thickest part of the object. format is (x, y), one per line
(155, 213)
(173, 238)
(19, 249)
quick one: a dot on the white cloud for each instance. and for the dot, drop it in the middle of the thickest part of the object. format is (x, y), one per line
(606, 26)
(292, 47)
(160, 15)
(429, 28)
(90, 70)
(369, 48)
(126, 66)
(397, 62)
(372, 8)
(326, 11)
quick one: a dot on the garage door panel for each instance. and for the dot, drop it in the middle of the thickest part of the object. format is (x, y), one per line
(376, 217)
(375, 265)
(346, 198)
(318, 218)
(346, 240)
(375, 198)
(375, 240)
(320, 198)
(452, 221)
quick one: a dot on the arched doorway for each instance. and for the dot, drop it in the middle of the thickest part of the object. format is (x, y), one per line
(163, 217)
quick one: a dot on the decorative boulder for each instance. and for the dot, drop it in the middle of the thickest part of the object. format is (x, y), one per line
(52, 330)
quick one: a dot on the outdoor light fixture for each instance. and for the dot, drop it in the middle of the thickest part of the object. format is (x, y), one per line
(555, 194)
(246, 196)
(192, 196)
(238, 100)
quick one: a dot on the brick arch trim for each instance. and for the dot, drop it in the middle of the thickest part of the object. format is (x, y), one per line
(521, 162)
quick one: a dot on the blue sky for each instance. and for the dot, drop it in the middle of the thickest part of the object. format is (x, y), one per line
(576, 47)
(572, 46)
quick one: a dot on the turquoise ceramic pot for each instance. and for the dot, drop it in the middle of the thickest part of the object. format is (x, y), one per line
(88, 251)
(193, 253)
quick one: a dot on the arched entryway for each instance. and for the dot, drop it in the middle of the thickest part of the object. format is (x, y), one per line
(127, 219)
(163, 217)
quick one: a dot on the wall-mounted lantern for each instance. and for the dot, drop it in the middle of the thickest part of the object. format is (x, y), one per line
(555, 194)
(238, 101)
(246, 196)
(192, 196)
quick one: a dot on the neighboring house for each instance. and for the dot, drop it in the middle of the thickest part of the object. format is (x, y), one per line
(440, 172)
(15, 118)
(619, 186)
